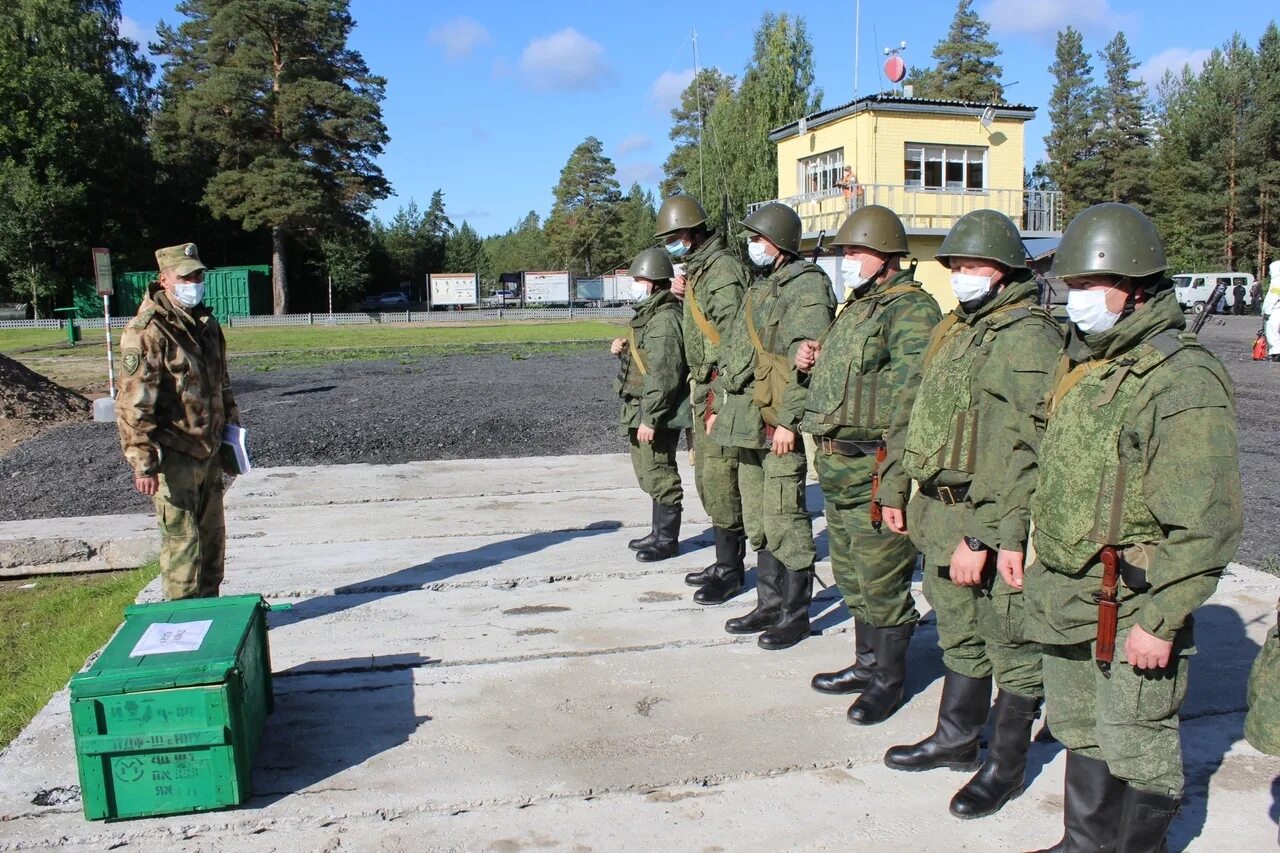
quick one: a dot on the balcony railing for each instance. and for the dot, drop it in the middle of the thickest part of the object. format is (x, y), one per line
(1034, 211)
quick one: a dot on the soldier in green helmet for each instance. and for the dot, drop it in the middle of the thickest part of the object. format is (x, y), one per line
(1262, 724)
(857, 373)
(758, 404)
(1138, 407)
(969, 437)
(714, 283)
(653, 384)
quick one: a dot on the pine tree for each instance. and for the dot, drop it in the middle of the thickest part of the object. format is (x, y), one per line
(436, 231)
(636, 221)
(965, 68)
(465, 253)
(288, 113)
(1071, 145)
(1262, 141)
(1186, 210)
(74, 169)
(1124, 139)
(693, 166)
(583, 227)
(520, 249)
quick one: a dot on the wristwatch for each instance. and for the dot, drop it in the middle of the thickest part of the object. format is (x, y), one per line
(974, 543)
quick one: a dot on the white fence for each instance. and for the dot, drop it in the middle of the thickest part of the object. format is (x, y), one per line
(426, 318)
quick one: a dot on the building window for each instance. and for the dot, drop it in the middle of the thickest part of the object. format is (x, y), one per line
(945, 167)
(821, 173)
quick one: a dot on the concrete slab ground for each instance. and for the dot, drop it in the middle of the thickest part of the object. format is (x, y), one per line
(474, 661)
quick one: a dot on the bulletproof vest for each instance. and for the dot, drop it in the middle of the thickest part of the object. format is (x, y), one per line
(942, 434)
(852, 383)
(1089, 490)
(764, 325)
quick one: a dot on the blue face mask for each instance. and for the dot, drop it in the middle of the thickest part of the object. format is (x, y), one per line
(677, 248)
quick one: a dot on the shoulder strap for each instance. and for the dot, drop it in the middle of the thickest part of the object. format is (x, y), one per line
(751, 324)
(940, 334)
(141, 321)
(708, 330)
(634, 349)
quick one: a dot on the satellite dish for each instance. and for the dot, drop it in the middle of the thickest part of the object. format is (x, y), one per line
(988, 116)
(895, 69)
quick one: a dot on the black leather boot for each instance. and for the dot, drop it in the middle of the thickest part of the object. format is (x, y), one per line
(883, 698)
(1002, 776)
(667, 542)
(1144, 823)
(954, 743)
(853, 678)
(731, 551)
(793, 619)
(769, 574)
(648, 539)
(1094, 803)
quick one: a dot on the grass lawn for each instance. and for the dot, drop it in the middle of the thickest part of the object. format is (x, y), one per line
(49, 630)
(370, 337)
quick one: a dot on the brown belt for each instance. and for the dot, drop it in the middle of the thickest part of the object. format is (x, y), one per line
(949, 495)
(843, 447)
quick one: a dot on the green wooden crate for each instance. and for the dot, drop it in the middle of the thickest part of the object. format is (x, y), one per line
(174, 731)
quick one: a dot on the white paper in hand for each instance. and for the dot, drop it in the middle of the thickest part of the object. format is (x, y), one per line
(163, 638)
(234, 437)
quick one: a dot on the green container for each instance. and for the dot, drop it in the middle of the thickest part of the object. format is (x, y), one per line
(130, 289)
(238, 291)
(174, 732)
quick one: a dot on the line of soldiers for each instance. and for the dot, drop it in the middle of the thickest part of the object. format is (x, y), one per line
(944, 442)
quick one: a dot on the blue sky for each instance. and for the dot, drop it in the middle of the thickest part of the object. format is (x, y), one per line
(486, 102)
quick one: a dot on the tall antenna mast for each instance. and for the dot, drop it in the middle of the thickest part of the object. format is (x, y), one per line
(702, 122)
(857, 44)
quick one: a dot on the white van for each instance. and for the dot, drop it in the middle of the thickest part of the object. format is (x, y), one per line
(1193, 289)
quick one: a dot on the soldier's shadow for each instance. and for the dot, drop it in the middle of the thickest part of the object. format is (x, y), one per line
(1212, 721)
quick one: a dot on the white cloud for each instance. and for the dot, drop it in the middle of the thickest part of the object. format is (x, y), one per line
(665, 91)
(458, 38)
(640, 173)
(1047, 17)
(131, 29)
(1173, 59)
(566, 61)
(633, 143)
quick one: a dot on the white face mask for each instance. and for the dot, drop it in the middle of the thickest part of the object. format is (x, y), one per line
(759, 253)
(188, 294)
(1088, 310)
(968, 288)
(851, 273)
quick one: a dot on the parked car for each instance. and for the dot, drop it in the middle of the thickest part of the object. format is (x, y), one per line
(499, 298)
(1194, 289)
(392, 301)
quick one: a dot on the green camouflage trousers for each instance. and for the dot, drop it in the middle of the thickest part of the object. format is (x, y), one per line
(1129, 720)
(655, 466)
(1262, 725)
(193, 533)
(873, 569)
(774, 507)
(715, 471)
(980, 629)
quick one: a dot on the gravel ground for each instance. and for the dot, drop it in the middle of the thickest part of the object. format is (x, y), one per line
(496, 406)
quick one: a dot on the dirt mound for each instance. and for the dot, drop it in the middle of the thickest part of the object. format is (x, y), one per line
(30, 404)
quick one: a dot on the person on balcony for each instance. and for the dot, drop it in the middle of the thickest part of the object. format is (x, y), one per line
(970, 435)
(850, 189)
(857, 373)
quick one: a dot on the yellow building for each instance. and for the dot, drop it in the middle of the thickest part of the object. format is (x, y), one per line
(930, 161)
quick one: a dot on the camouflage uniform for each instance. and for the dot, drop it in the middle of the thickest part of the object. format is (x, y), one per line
(974, 419)
(655, 395)
(1262, 725)
(173, 401)
(867, 355)
(715, 282)
(794, 304)
(1151, 391)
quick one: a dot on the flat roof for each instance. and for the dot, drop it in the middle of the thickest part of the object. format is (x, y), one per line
(896, 103)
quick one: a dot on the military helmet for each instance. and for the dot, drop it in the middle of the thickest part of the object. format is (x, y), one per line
(652, 265)
(873, 227)
(985, 234)
(1110, 239)
(777, 223)
(678, 213)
